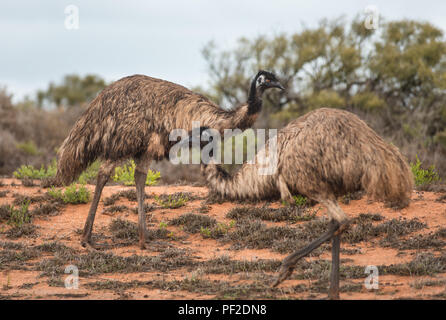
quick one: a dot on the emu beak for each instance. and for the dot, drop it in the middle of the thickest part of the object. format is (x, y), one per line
(278, 85)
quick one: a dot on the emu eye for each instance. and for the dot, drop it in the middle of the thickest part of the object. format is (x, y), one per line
(267, 80)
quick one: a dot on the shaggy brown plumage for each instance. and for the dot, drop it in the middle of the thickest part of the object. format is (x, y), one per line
(323, 154)
(133, 117)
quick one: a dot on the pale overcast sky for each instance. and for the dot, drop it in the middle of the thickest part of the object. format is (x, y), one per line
(158, 38)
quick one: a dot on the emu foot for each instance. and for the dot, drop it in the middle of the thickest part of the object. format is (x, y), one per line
(284, 272)
(95, 246)
(88, 243)
(143, 239)
(289, 263)
(343, 226)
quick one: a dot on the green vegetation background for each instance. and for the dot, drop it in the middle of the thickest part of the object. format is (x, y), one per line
(393, 77)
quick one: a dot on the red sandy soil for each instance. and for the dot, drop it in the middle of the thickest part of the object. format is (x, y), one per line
(64, 228)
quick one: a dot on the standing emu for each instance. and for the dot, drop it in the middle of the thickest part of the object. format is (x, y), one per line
(132, 118)
(322, 155)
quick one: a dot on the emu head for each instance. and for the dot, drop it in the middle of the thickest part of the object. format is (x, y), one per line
(265, 80)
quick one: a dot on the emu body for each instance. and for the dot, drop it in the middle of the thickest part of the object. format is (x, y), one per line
(322, 155)
(132, 118)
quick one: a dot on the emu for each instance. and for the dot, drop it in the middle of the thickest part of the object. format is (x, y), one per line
(322, 155)
(132, 118)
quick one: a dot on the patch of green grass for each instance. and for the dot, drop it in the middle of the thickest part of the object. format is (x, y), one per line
(420, 284)
(193, 223)
(204, 208)
(28, 147)
(363, 229)
(163, 225)
(97, 262)
(114, 208)
(422, 176)
(205, 232)
(46, 209)
(126, 175)
(300, 200)
(124, 230)
(127, 230)
(441, 233)
(419, 242)
(217, 231)
(26, 182)
(221, 289)
(288, 213)
(28, 171)
(424, 264)
(14, 259)
(5, 212)
(19, 217)
(21, 198)
(72, 194)
(147, 208)
(225, 265)
(15, 254)
(28, 285)
(24, 230)
(130, 195)
(207, 226)
(368, 217)
(213, 198)
(89, 174)
(172, 201)
(254, 234)
(396, 228)
(352, 196)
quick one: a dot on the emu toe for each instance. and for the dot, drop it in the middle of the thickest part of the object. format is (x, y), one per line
(284, 272)
(94, 246)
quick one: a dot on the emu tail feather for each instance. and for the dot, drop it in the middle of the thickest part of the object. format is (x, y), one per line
(390, 179)
(74, 156)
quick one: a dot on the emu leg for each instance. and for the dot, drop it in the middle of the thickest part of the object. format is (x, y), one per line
(140, 181)
(86, 235)
(285, 193)
(289, 263)
(333, 292)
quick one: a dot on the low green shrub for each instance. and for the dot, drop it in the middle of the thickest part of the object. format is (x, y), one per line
(72, 194)
(90, 173)
(172, 201)
(28, 171)
(21, 216)
(28, 147)
(300, 200)
(424, 176)
(126, 175)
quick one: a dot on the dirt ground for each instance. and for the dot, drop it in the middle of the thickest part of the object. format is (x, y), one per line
(218, 250)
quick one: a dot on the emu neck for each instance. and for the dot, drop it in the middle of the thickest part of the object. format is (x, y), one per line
(254, 98)
(220, 181)
(245, 184)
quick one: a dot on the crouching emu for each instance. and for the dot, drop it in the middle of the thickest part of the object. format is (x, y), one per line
(322, 155)
(132, 118)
